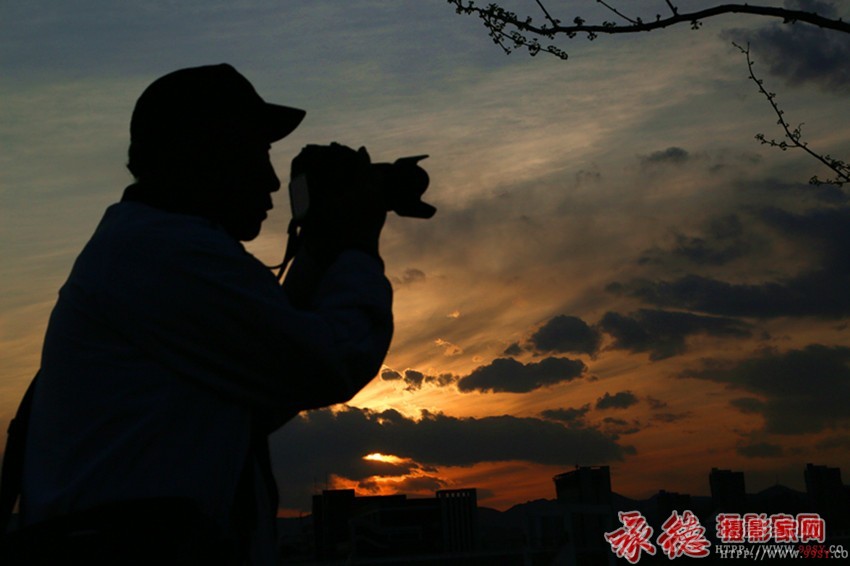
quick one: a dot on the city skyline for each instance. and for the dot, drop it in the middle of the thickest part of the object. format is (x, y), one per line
(585, 523)
(618, 273)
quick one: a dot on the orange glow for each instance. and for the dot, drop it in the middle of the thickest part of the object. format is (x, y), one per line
(388, 458)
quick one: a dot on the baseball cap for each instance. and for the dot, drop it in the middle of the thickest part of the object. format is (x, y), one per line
(208, 103)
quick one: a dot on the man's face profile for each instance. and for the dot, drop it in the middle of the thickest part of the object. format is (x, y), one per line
(243, 180)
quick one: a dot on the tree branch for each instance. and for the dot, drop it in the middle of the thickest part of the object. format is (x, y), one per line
(795, 136)
(497, 19)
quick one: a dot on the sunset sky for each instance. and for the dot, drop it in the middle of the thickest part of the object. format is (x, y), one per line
(618, 273)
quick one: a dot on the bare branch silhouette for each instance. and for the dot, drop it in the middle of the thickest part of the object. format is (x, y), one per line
(794, 136)
(510, 30)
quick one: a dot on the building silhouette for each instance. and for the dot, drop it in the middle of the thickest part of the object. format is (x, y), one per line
(830, 497)
(585, 494)
(351, 527)
(728, 491)
(450, 529)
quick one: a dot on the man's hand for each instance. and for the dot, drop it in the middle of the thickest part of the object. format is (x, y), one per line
(346, 211)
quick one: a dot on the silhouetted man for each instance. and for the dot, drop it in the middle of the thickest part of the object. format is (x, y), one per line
(172, 353)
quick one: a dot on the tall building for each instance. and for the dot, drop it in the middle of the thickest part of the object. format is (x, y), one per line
(728, 492)
(459, 518)
(392, 526)
(586, 495)
(828, 494)
(586, 485)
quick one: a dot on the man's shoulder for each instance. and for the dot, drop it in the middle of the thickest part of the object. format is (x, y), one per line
(139, 226)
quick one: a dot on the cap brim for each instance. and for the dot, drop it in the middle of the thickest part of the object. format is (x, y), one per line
(280, 121)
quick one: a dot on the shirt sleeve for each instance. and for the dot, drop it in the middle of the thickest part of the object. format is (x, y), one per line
(195, 301)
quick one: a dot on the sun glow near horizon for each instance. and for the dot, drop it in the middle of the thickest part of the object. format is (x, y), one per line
(386, 458)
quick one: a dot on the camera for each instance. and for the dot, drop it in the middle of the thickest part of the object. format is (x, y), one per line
(320, 170)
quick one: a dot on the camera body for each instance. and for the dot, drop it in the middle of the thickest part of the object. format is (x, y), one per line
(319, 170)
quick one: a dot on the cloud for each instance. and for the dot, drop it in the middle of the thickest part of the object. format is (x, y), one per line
(772, 187)
(621, 400)
(748, 405)
(671, 155)
(722, 243)
(513, 350)
(413, 379)
(616, 427)
(409, 277)
(819, 291)
(841, 442)
(663, 333)
(420, 484)
(760, 450)
(566, 334)
(506, 375)
(796, 392)
(802, 53)
(671, 417)
(321, 443)
(569, 416)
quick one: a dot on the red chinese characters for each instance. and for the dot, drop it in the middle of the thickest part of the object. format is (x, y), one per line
(780, 528)
(683, 536)
(784, 527)
(811, 527)
(730, 527)
(758, 527)
(632, 538)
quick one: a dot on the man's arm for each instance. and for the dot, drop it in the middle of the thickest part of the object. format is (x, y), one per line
(213, 313)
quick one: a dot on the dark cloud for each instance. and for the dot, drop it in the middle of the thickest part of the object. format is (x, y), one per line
(390, 375)
(617, 427)
(513, 350)
(663, 333)
(802, 53)
(723, 242)
(819, 291)
(748, 405)
(621, 400)
(773, 188)
(442, 380)
(413, 379)
(506, 375)
(409, 276)
(835, 442)
(797, 392)
(674, 155)
(760, 450)
(569, 416)
(566, 334)
(671, 417)
(316, 445)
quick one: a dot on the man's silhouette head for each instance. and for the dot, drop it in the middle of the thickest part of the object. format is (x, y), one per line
(199, 141)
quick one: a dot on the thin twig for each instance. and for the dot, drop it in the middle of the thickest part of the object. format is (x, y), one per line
(493, 15)
(552, 20)
(625, 17)
(795, 135)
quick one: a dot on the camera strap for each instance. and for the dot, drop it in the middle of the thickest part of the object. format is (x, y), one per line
(292, 243)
